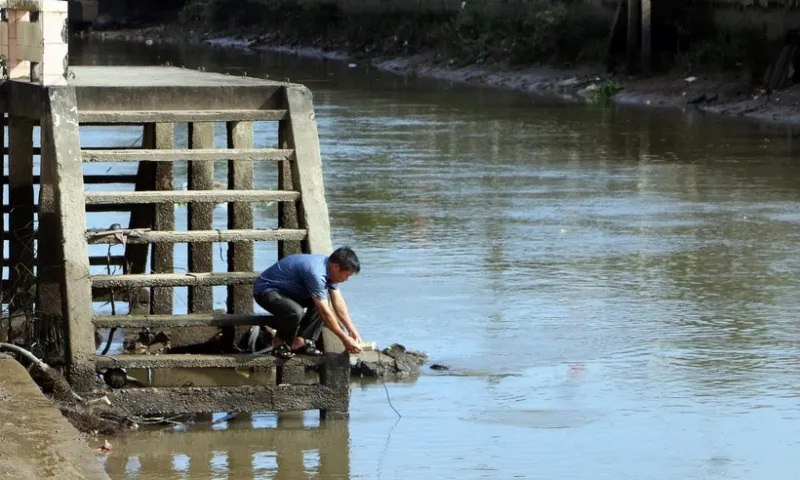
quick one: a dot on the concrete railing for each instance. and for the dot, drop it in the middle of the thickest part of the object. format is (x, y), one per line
(33, 40)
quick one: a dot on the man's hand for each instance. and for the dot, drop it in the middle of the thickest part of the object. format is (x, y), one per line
(351, 345)
(355, 336)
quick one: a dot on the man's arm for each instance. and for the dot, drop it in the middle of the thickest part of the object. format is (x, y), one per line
(340, 309)
(330, 321)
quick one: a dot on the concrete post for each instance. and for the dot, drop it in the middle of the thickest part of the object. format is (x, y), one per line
(301, 133)
(335, 374)
(307, 172)
(201, 216)
(20, 218)
(61, 163)
(142, 216)
(49, 259)
(163, 255)
(240, 217)
(287, 212)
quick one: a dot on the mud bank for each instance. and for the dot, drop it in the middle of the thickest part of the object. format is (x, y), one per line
(726, 94)
(38, 442)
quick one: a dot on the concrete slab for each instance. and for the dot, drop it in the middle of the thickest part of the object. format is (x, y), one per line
(38, 443)
(150, 88)
(154, 76)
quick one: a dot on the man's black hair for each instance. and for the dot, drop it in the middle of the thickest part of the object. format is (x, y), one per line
(346, 258)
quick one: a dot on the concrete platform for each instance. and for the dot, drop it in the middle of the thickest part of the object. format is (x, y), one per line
(38, 443)
(154, 76)
(150, 88)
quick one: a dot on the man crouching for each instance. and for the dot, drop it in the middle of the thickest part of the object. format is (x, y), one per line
(304, 281)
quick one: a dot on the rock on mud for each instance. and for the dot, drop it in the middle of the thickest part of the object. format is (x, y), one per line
(392, 362)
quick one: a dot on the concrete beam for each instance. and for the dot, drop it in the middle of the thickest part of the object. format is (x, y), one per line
(139, 237)
(172, 280)
(173, 401)
(176, 97)
(200, 154)
(181, 116)
(179, 321)
(23, 99)
(187, 196)
(167, 360)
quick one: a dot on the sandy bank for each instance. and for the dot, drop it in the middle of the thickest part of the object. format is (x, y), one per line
(38, 442)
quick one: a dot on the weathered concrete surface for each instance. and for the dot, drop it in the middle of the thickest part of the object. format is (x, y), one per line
(153, 77)
(38, 443)
(61, 167)
(392, 362)
(272, 398)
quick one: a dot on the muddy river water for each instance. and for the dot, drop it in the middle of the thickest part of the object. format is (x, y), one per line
(615, 289)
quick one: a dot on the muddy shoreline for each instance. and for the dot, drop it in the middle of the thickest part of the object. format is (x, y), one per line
(727, 94)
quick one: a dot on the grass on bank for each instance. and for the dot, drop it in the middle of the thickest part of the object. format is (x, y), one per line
(558, 34)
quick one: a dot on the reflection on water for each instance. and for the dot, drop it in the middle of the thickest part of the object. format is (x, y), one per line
(627, 276)
(283, 447)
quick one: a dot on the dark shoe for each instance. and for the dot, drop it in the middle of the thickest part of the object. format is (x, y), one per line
(308, 349)
(281, 351)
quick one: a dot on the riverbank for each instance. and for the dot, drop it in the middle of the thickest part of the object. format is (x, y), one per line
(726, 94)
(38, 442)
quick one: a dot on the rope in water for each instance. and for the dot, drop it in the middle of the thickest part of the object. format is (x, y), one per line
(385, 388)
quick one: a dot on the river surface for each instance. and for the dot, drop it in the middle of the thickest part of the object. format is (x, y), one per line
(616, 290)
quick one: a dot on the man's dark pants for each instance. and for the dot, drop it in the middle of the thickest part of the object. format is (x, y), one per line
(289, 319)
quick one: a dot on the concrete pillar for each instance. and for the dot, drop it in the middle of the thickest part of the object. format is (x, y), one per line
(49, 259)
(302, 135)
(201, 216)
(142, 216)
(240, 216)
(287, 212)
(20, 221)
(163, 254)
(335, 374)
(62, 167)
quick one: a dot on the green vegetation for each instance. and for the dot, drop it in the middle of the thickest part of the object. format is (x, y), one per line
(556, 34)
(559, 33)
(603, 92)
(702, 47)
(727, 51)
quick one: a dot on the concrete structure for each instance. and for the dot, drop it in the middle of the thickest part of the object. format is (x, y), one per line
(38, 442)
(60, 296)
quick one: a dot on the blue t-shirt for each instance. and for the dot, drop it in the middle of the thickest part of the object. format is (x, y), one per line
(299, 276)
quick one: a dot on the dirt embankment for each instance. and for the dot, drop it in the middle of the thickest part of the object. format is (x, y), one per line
(719, 93)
